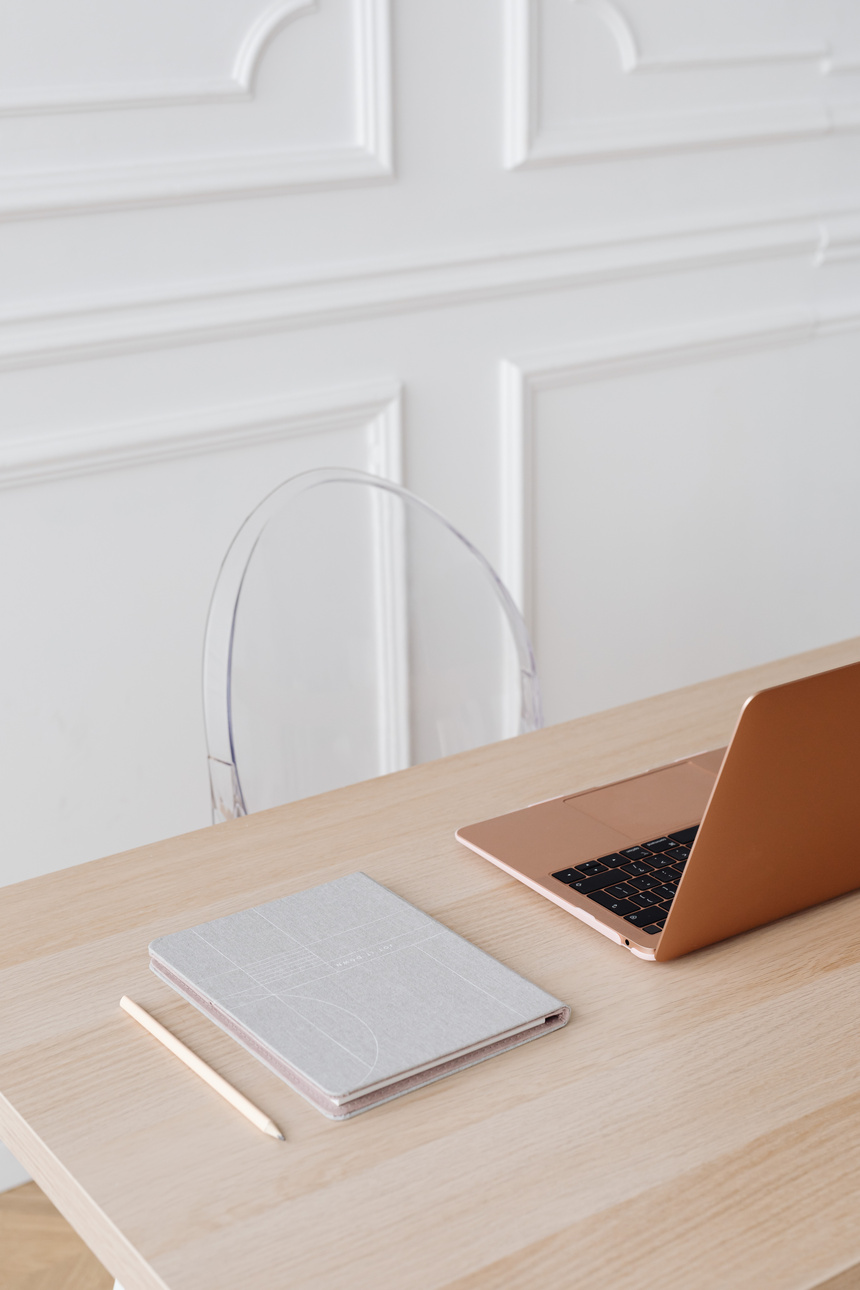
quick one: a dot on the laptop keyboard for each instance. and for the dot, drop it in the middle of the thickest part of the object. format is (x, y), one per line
(637, 884)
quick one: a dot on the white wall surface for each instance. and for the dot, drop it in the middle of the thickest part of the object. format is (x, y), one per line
(597, 264)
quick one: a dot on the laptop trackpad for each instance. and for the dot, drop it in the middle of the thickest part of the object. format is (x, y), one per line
(650, 804)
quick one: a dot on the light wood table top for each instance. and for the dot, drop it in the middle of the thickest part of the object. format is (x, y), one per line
(696, 1125)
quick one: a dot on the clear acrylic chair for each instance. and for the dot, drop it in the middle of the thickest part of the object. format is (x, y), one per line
(352, 632)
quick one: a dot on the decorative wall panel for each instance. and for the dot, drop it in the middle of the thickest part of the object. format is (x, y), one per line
(661, 496)
(597, 78)
(165, 102)
(118, 539)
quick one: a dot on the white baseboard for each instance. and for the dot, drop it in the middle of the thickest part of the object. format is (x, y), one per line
(11, 1173)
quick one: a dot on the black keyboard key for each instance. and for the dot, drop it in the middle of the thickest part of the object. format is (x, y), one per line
(665, 893)
(642, 917)
(679, 853)
(637, 867)
(566, 875)
(622, 890)
(636, 853)
(615, 906)
(588, 867)
(611, 861)
(659, 844)
(653, 928)
(645, 882)
(670, 875)
(597, 881)
(666, 906)
(659, 862)
(685, 837)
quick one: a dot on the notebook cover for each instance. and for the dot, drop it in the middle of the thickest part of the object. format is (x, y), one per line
(351, 994)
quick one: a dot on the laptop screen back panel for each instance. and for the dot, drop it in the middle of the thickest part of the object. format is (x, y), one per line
(782, 829)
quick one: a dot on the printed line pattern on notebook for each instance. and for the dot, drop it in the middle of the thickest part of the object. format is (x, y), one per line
(351, 994)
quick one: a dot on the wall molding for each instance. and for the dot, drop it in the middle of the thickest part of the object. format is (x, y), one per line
(195, 178)
(103, 328)
(526, 144)
(633, 60)
(391, 596)
(840, 240)
(235, 87)
(521, 381)
(39, 459)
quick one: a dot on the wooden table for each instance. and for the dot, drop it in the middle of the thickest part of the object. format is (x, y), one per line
(696, 1125)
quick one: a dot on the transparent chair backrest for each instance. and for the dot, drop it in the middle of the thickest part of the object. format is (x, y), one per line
(352, 632)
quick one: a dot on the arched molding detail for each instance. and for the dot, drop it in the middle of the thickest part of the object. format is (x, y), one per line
(256, 39)
(619, 28)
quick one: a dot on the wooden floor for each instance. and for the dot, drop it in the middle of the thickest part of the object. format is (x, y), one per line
(38, 1249)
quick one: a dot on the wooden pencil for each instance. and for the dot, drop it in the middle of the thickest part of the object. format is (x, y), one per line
(195, 1063)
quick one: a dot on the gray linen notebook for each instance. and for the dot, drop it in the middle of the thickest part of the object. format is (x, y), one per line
(352, 995)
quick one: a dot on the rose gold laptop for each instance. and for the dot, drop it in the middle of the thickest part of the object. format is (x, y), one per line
(702, 849)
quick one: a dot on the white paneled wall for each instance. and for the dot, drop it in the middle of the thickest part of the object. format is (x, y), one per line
(585, 274)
